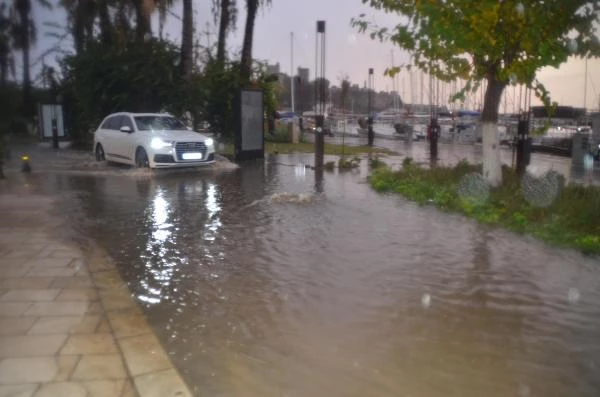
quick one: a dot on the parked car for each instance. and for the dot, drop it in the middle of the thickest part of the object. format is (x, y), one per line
(154, 140)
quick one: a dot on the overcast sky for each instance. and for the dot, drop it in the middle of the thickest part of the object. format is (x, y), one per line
(348, 52)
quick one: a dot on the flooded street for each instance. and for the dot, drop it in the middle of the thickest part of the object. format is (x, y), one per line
(260, 282)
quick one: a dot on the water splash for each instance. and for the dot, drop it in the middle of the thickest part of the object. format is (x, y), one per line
(285, 197)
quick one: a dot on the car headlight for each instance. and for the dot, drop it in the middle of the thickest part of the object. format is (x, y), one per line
(158, 143)
(209, 142)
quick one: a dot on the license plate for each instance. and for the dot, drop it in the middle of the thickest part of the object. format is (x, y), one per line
(191, 156)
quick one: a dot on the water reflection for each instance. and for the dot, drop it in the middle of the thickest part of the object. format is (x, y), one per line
(158, 263)
(358, 294)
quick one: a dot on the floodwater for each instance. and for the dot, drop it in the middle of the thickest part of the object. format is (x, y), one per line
(261, 282)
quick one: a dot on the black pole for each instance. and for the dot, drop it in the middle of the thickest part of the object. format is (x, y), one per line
(434, 129)
(320, 105)
(54, 128)
(523, 144)
(370, 132)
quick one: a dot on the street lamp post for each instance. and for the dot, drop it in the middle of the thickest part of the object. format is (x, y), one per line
(320, 97)
(370, 132)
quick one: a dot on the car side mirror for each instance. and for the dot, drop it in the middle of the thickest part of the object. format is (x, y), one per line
(126, 129)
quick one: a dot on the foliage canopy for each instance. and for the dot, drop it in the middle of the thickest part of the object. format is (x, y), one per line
(503, 42)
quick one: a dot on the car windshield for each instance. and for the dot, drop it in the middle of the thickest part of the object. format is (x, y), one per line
(147, 123)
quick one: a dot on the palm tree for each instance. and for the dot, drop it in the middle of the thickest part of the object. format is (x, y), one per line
(24, 35)
(7, 61)
(226, 10)
(246, 66)
(187, 40)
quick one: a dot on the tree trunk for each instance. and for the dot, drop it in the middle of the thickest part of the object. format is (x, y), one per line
(142, 16)
(25, 44)
(187, 40)
(246, 66)
(106, 29)
(225, 19)
(3, 66)
(492, 168)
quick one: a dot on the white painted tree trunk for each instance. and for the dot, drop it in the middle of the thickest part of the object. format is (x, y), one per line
(492, 168)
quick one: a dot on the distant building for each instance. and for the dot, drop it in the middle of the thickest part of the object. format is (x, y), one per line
(304, 74)
(274, 69)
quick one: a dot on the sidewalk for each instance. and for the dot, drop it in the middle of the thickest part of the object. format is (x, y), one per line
(68, 324)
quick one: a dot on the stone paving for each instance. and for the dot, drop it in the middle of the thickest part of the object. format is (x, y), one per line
(68, 324)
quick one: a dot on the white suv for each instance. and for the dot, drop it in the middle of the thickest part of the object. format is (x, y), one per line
(151, 140)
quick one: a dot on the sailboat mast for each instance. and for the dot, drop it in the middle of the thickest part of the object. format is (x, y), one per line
(292, 69)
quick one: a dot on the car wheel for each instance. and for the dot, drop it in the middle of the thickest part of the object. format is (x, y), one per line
(99, 153)
(141, 158)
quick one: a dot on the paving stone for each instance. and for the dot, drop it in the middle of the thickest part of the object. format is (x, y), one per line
(103, 327)
(17, 390)
(89, 344)
(129, 390)
(117, 299)
(65, 308)
(30, 295)
(26, 283)
(79, 294)
(62, 389)
(72, 282)
(27, 370)
(66, 365)
(23, 254)
(14, 308)
(109, 279)
(95, 308)
(104, 388)
(13, 270)
(100, 264)
(161, 384)
(144, 354)
(15, 325)
(51, 272)
(30, 345)
(50, 262)
(65, 324)
(128, 323)
(65, 253)
(100, 367)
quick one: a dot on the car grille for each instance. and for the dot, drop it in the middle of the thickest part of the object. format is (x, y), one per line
(163, 158)
(189, 147)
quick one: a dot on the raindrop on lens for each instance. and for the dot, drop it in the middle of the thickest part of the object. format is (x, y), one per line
(426, 300)
(572, 46)
(573, 295)
(520, 9)
(523, 391)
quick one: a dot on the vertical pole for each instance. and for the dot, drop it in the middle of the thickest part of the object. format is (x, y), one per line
(585, 86)
(54, 128)
(421, 102)
(433, 126)
(292, 69)
(370, 132)
(320, 105)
